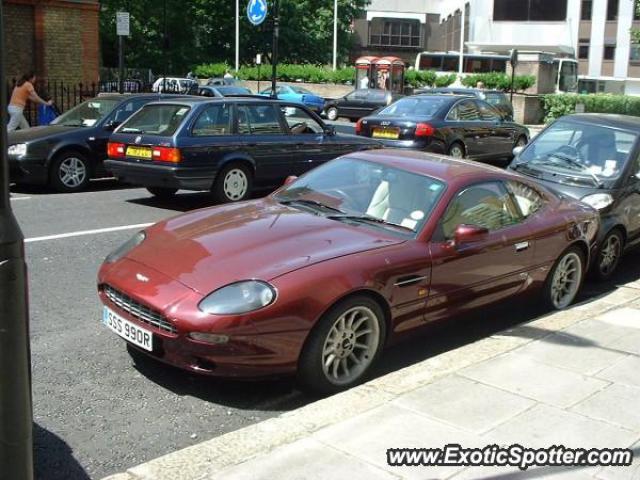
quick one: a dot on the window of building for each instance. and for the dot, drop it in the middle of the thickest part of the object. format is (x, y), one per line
(612, 10)
(583, 52)
(609, 52)
(634, 54)
(636, 12)
(587, 10)
(530, 10)
(394, 32)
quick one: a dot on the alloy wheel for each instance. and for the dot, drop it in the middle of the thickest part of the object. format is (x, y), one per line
(456, 151)
(332, 113)
(566, 280)
(236, 184)
(522, 142)
(72, 172)
(351, 345)
(609, 255)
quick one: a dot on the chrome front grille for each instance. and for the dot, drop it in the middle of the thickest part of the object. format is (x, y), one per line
(138, 310)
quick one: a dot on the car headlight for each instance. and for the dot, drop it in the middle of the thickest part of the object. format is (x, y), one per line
(241, 297)
(598, 201)
(18, 150)
(126, 247)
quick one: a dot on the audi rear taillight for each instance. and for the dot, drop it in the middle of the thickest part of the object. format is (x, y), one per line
(425, 130)
(166, 154)
(116, 150)
(359, 127)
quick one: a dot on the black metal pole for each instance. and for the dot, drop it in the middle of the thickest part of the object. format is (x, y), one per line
(513, 74)
(121, 63)
(165, 48)
(274, 51)
(16, 415)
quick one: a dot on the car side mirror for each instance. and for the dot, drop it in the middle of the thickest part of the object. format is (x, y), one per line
(112, 125)
(289, 180)
(517, 150)
(468, 234)
(330, 130)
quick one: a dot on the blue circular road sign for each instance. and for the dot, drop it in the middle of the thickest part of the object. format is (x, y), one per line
(257, 11)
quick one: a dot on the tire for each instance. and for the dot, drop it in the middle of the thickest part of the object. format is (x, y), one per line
(560, 277)
(367, 316)
(521, 142)
(161, 192)
(332, 113)
(609, 255)
(70, 172)
(233, 184)
(457, 150)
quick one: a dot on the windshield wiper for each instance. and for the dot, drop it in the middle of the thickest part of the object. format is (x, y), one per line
(314, 203)
(581, 167)
(370, 219)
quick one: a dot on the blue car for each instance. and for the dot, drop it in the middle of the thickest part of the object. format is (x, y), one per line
(295, 94)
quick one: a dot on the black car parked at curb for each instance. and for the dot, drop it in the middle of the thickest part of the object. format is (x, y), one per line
(359, 103)
(496, 98)
(226, 145)
(594, 158)
(455, 125)
(71, 151)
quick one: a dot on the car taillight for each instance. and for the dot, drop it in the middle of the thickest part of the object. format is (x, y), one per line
(116, 150)
(424, 130)
(166, 154)
(359, 127)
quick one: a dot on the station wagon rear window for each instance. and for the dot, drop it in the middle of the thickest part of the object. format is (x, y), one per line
(427, 106)
(161, 120)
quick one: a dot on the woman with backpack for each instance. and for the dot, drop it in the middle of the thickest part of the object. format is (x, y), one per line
(22, 92)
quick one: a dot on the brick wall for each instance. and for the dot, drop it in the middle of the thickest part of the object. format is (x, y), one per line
(19, 38)
(58, 39)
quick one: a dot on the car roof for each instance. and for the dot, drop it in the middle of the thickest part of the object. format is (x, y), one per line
(469, 91)
(127, 96)
(440, 167)
(606, 119)
(198, 100)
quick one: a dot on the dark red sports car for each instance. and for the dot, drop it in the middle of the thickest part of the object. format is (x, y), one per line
(318, 277)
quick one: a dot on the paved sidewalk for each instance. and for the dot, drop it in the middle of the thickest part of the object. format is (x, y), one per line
(571, 378)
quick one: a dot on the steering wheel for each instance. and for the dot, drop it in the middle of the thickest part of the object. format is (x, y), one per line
(347, 201)
(299, 127)
(570, 150)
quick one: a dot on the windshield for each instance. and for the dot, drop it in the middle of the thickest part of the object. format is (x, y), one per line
(301, 90)
(88, 113)
(366, 193)
(162, 120)
(424, 106)
(571, 148)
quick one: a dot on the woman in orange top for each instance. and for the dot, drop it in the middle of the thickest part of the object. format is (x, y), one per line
(22, 92)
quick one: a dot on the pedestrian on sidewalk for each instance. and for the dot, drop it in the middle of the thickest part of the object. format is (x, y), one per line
(22, 92)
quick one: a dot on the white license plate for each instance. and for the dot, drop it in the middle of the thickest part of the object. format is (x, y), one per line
(131, 332)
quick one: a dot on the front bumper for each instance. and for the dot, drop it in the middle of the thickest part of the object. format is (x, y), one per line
(163, 176)
(28, 170)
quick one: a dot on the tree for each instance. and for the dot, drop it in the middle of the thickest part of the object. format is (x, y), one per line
(203, 31)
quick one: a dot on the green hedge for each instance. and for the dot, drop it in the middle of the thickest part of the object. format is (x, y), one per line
(557, 105)
(286, 73)
(499, 81)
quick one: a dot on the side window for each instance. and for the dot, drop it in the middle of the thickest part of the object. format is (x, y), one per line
(357, 95)
(258, 120)
(300, 122)
(486, 205)
(487, 113)
(528, 199)
(214, 120)
(128, 109)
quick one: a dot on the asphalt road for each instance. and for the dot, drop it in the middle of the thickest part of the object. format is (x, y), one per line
(96, 411)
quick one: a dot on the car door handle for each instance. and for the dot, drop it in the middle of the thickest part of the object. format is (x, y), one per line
(522, 246)
(409, 280)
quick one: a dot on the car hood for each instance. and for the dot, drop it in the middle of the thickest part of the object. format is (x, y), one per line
(262, 239)
(40, 133)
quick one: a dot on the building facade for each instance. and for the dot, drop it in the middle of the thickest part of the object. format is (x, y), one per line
(596, 32)
(58, 39)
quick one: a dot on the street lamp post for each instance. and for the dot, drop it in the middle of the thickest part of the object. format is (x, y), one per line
(335, 35)
(463, 15)
(16, 417)
(274, 47)
(237, 36)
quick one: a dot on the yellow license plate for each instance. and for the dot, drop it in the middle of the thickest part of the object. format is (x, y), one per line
(388, 133)
(139, 152)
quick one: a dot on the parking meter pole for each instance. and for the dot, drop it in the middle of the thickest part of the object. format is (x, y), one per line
(121, 62)
(16, 420)
(274, 51)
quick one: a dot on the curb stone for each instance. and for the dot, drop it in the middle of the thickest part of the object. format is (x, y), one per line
(207, 458)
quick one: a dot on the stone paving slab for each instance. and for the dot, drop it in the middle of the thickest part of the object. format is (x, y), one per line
(522, 375)
(627, 473)
(464, 404)
(616, 404)
(626, 372)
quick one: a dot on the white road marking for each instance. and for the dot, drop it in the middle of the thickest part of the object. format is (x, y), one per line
(20, 198)
(87, 232)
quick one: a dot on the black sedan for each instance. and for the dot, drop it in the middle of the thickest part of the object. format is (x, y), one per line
(227, 146)
(459, 126)
(359, 103)
(222, 91)
(71, 151)
(496, 98)
(594, 158)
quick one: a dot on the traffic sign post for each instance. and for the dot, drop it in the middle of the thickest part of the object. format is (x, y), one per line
(514, 62)
(122, 30)
(16, 412)
(258, 63)
(256, 11)
(274, 47)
